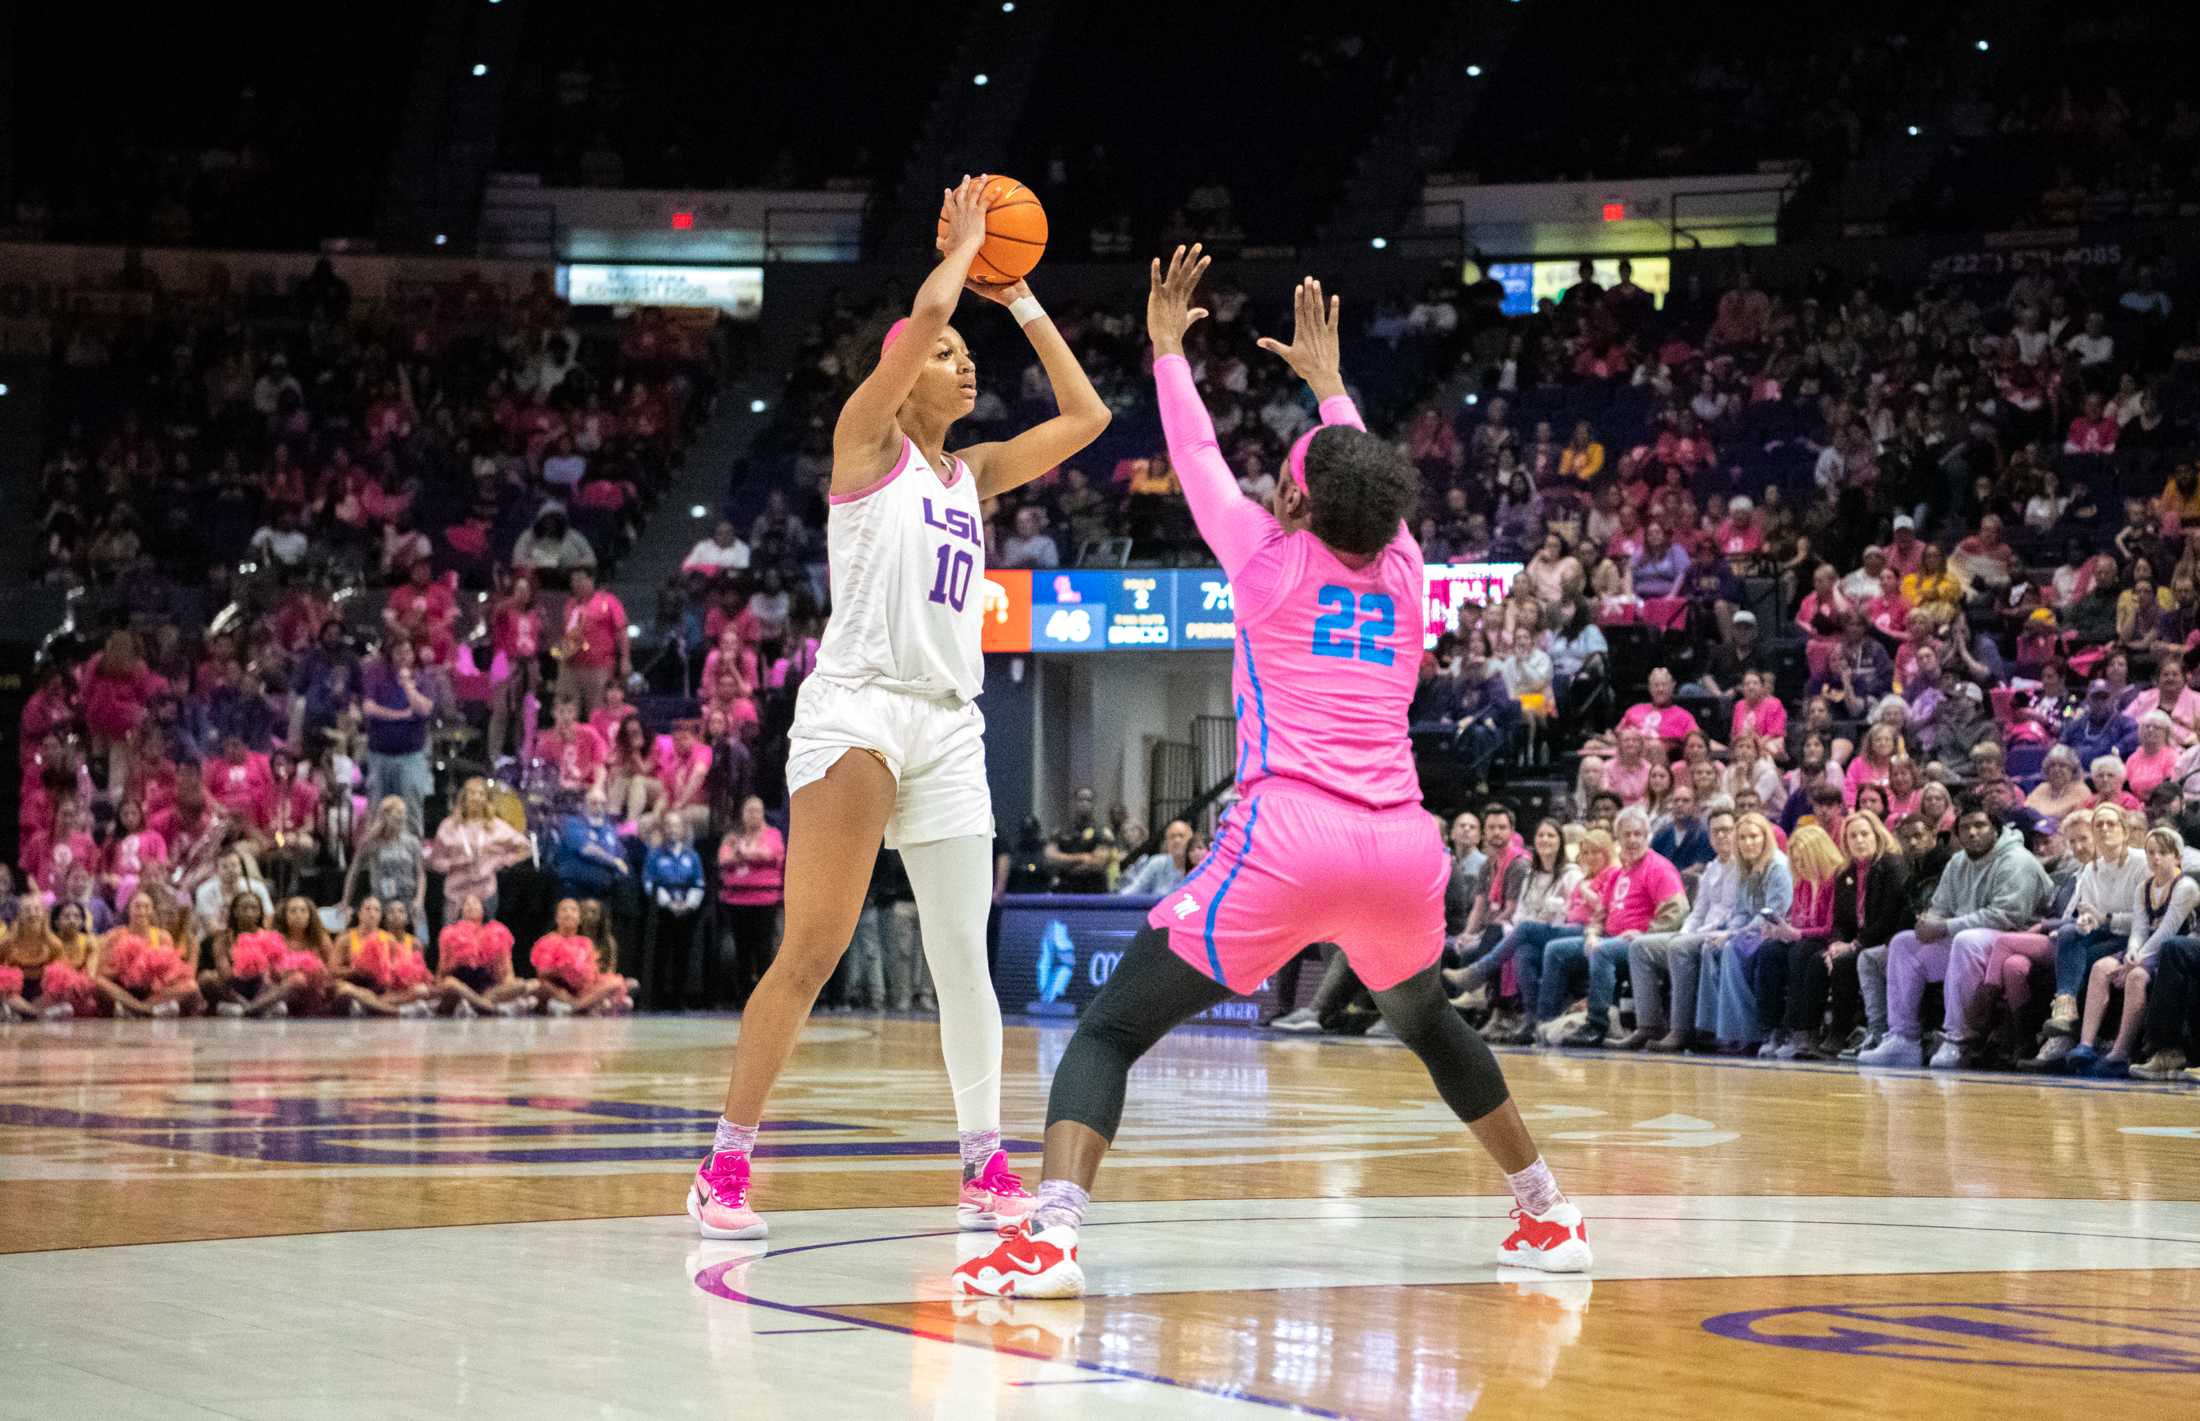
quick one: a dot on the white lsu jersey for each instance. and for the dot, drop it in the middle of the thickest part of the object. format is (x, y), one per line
(906, 558)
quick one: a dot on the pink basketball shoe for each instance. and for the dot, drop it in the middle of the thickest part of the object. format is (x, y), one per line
(719, 1199)
(992, 1197)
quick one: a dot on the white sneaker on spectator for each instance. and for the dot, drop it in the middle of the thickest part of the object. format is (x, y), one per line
(1772, 1046)
(168, 1009)
(413, 1011)
(1895, 1050)
(280, 1009)
(358, 1008)
(59, 1011)
(464, 1011)
(1300, 1022)
(518, 1008)
(558, 1008)
(1948, 1058)
(229, 1009)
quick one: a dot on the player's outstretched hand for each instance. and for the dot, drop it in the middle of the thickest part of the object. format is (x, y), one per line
(964, 211)
(1007, 295)
(1169, 309)
(1312, 353)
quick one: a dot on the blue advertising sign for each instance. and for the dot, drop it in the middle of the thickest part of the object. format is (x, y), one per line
(1058, 951)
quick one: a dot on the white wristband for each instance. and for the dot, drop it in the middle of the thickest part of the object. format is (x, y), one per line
(1026, 309)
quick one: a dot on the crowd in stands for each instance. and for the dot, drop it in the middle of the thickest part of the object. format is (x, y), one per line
(328, 578)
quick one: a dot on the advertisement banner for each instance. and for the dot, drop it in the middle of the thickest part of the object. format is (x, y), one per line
(736, 290)
(1058, 950)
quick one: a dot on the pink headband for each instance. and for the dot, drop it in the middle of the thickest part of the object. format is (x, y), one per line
(1295, 461)
(893, 333)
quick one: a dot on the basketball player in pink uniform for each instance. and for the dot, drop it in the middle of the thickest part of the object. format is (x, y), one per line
(887, 739)
(1327, 841)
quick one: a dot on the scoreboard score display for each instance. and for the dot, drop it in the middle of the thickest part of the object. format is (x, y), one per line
(1176, 609)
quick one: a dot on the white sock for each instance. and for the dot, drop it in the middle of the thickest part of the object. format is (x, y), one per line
(1534, 1189)
(953, 882)
(741, 1139)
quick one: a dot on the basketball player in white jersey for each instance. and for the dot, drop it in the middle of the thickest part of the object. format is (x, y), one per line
(887, 738)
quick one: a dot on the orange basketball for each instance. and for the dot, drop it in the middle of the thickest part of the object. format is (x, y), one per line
(1015, 233)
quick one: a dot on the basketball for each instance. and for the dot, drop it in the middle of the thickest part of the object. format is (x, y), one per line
(1015, 233)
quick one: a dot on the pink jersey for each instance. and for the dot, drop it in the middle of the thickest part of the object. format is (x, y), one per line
(1328, 654)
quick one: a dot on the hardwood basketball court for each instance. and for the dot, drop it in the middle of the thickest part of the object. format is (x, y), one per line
(339, 1219)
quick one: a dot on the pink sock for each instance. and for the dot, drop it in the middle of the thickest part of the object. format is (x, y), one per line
(1060, 1202)
(1534, 1189)
(740, 1139)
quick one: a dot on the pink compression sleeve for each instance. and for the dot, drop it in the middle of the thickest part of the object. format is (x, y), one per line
(1233, 525)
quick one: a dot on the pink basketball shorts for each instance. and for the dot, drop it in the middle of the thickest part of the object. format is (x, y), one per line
(1292, 866)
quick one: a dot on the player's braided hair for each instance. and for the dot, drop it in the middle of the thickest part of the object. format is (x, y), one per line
(1361, 489)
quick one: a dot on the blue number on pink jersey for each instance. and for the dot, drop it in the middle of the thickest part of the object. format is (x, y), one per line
(951, 582)
(1374, 613)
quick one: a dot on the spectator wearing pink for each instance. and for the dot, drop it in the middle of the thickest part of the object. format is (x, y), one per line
(134, 852)
(422, 606)
(729, 698)
(1658, 717)
(118, 686)
(683, 766)
(49, 710)
(1904, 791)
(736, 652)
(2156, 758)
(2094, 431)
(1888, 613)
(1744, 314)
(615, 708)
(238, 780)
(578, 752)
(752, 863)
(2174, 697)
(1874, 761)
(1628, 773)
(595, 648)
(1739, 534)
(1758, 712)
(1905, 550)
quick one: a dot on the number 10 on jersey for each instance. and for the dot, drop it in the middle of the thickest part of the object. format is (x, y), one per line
(951, 580)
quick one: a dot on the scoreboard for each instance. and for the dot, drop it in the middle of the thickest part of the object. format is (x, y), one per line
(1171, 609)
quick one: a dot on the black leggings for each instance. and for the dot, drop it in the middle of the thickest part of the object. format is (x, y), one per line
(1153, 991)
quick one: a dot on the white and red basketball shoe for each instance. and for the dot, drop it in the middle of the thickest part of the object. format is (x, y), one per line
(718, 1200)
(992, 1198)
(1025, 1264)
(1555, 1241)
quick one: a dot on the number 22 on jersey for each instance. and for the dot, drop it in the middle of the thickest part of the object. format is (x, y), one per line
(1353, 627)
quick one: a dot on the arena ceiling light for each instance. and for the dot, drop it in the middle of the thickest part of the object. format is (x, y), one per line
(1379, 243)
(698, 511)
(480, 70)
(1983, 46)
(1474, 71)
(756, 406)
(980, 80)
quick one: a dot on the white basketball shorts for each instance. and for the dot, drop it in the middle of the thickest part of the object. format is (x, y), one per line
(933, 746)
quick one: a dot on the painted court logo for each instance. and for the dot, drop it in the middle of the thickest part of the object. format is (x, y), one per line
(2080, 1337)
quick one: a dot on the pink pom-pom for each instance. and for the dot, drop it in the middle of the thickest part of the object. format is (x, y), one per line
(11, 981)
(496, 943)
(301, 960)
(460, 946)
(255, 954)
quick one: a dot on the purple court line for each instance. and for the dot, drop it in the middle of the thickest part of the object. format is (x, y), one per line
(799, 1331)
(712, 1280)
(1074, 1381)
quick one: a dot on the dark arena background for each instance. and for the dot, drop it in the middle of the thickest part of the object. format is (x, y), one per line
(418, 425)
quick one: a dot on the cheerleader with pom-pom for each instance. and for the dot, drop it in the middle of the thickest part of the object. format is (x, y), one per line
(246, 976)
(475, 956)
(42, 975)
(143, 970)
(377, 973)
(305, 958)
(570, 976)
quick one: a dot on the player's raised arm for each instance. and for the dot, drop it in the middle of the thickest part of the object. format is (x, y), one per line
(1313, 352)
(1232, 524)
(867, 440)
(1080, 412)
